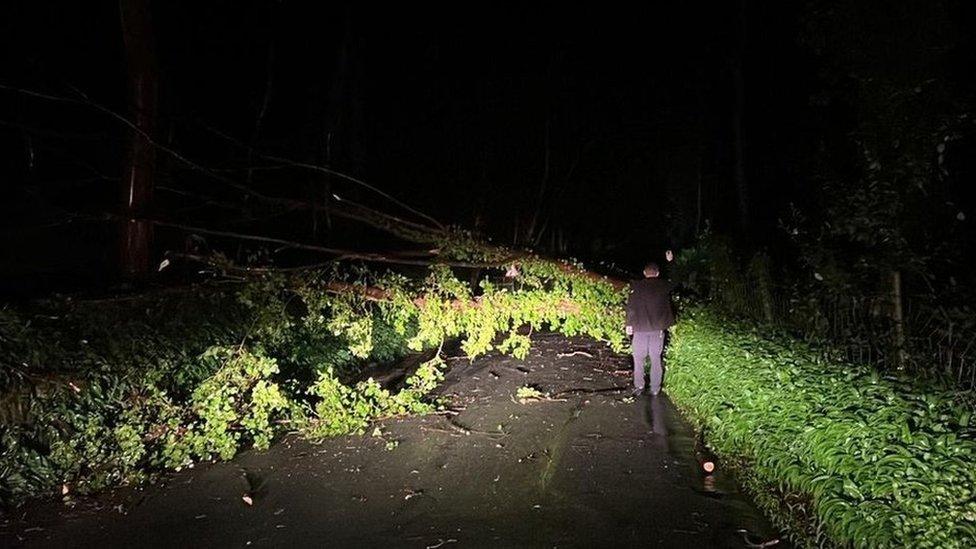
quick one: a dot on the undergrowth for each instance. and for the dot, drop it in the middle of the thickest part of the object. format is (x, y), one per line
(113, 392)
(868, 461)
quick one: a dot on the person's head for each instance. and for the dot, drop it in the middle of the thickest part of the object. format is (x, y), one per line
(651, 270)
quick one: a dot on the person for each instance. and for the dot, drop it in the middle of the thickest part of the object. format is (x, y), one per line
(649, 314)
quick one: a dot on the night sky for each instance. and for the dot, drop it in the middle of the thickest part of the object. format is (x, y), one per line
(450, 108)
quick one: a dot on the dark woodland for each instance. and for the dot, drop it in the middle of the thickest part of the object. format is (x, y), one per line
(320, 207)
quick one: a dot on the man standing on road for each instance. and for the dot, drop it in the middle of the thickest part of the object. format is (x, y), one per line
(649, 314)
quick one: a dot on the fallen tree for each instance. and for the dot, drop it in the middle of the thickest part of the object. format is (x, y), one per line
(106, 392)
(159, 382)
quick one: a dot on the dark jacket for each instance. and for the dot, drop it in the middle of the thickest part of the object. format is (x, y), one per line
(649, 305)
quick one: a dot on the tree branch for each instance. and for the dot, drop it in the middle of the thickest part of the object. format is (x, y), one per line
(196, 166)
(340, 254)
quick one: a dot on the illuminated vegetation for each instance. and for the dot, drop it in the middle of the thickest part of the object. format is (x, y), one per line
(144, 386)
(864, 460)
(834, 452)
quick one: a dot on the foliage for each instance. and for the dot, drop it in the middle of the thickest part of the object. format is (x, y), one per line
(708, 268)
(885, 194)
(341, 409)
(878, 461)
(462, 245)
(158, 382)
(543, 295)
(527, 393)
(239, 400)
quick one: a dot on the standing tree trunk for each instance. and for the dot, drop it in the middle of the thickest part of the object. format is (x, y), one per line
(342, 122)
(137, 181)
(701, 151)
(530, 232)
(262, 110)
(898, 320)
(760, 273)
(738, 130)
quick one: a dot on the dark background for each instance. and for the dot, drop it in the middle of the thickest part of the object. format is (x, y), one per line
(452, 108)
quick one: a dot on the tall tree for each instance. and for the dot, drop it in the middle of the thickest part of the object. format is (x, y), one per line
(137, 181)
(738, 122)
(885, 211)
(883, 226)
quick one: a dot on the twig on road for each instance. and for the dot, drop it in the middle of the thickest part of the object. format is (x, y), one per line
(584, 390)
(575, 353)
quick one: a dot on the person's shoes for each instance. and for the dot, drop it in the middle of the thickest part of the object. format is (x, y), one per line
(638, 391)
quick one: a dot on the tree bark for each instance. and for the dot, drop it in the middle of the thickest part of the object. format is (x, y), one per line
(738, 130)
(898, 320)
(262, 110)
(137, 181)
(530, 231)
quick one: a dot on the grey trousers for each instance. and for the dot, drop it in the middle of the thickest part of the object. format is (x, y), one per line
(648, 345)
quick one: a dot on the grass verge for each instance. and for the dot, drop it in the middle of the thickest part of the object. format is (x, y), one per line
(835, 453)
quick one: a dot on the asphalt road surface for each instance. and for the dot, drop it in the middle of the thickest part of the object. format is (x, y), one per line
(585, 467)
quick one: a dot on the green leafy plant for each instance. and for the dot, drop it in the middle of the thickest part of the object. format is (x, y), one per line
(870, 461)
(162, 381)
(527, 393)
(240, 401)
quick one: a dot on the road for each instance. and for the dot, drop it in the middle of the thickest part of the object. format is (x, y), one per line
(584, 467)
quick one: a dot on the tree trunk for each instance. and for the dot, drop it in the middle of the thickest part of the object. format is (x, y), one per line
(700, 145)
(137, 181)
(530, 231)
(262, 110)
(898, 320)
(698, 198)
(738, 130)
(762, 275)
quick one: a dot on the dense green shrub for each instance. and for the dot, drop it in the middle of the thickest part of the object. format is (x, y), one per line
(875, 461)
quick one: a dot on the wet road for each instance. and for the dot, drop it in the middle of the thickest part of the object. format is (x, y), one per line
(584, 467)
